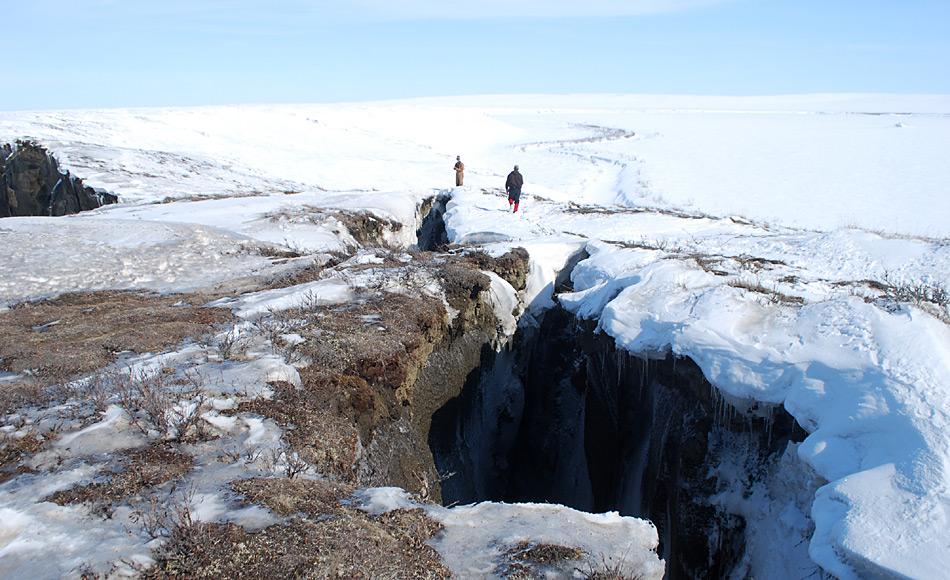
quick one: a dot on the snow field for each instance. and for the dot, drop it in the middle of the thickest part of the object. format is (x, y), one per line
(780, 305)
(813, 161)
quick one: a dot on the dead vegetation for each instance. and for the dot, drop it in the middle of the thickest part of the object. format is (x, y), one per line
(362, 359)
(157, 407)
(53, 341)
(14, 450)
(309, 273)
(321, 435)
(462, 284)
(536, 560)
(772, 295)
(276, 252)
(364, 227)
(603, 569)
(576, 208)
(135, 471)
(931, 297)
(207, 197)
(287, 497)
(322, 537)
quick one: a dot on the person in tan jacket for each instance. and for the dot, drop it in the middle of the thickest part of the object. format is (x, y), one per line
(459, 171)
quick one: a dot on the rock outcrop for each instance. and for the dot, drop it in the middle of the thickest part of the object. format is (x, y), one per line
(31, 184)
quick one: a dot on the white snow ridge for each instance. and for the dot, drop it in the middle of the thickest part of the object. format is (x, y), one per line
(796, 249)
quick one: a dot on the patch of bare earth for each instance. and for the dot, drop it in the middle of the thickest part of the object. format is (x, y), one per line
(321, 537)
(55, 340)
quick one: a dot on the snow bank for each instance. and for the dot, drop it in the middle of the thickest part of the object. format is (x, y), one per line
(505, 303)
(183, 246)
(476, 536)
(786, 317)
(870, 386)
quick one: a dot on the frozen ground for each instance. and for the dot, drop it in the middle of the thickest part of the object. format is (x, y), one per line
(779, 303)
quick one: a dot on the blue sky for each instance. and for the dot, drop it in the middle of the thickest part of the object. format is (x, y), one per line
(103, 53)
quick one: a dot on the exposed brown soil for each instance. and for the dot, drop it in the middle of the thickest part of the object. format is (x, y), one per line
(139, 470)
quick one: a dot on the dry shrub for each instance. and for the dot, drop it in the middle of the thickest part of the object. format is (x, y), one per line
(139, 470)
(232, 345)
(604, 570)
(772, 295)
(932, 297)
(319, 433)
(155, 406)
(287, 497)
(14, 450)
(22, 393)
(534, 560)
(350, 544)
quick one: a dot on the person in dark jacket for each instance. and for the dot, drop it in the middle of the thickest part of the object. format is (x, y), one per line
(459, 171)
(513, 186)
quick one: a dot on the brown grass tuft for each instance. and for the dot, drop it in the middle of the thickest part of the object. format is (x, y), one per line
(140, 470)
(57, 340)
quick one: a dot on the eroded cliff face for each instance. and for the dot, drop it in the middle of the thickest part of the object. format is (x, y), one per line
(374, 370)
(31, 184)
(565, 417)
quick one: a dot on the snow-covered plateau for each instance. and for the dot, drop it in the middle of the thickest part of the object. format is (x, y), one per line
(795, 249)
